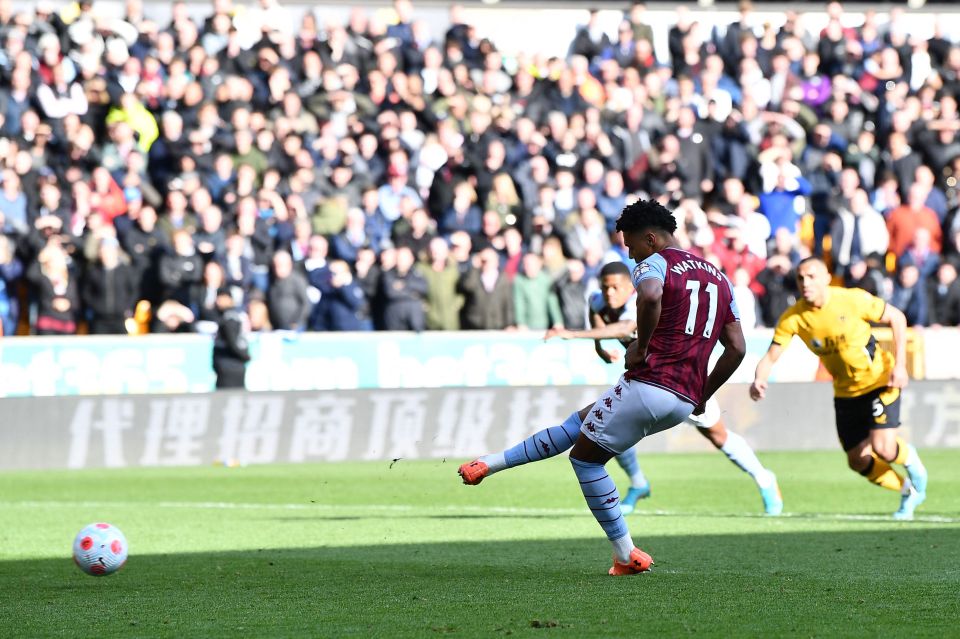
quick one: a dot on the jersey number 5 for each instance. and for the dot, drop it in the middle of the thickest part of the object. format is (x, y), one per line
(694, 287)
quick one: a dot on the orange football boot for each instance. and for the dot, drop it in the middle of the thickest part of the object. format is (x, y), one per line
(639, 562)
(473, 472)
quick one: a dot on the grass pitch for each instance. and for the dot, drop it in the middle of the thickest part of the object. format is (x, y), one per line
(404, 550)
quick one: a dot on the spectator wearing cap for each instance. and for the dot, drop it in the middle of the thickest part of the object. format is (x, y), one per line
(109, 290)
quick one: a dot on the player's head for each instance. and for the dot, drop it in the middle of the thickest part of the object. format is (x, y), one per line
(616, 285)
(647, 227)
(813, 278)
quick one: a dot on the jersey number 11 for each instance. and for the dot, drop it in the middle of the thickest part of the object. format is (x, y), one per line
(694, 287)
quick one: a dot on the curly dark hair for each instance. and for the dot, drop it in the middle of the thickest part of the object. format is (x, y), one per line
(646, 214)
(615, 268)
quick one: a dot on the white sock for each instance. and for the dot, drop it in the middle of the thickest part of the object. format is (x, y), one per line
(907, 485)
(913, 459)
(622, 547)
(495, 461)
(740, 453)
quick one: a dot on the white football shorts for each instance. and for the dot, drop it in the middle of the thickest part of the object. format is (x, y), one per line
(710, 417)
(631, 410)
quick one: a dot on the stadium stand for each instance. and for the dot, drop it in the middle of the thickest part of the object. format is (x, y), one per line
(381, 174)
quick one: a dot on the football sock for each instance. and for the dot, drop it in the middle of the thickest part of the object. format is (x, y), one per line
(903, 452)
(740, 453)
(906, 454)
(602, 497)
(880, 473)
(631, 465)
(541, 445)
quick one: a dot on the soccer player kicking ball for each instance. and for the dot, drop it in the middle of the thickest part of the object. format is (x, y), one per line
(613, 316)
(684, 306)
(834, 323)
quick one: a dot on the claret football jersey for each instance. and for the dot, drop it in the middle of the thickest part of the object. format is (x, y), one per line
(697, 303)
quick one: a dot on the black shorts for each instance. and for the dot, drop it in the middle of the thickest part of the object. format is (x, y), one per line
(857, 416)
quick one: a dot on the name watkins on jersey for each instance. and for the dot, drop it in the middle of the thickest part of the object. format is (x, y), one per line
(682, 267)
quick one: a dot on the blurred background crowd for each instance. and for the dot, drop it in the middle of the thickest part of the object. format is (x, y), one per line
(378, 174)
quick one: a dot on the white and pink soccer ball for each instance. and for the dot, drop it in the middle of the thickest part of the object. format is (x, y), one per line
(100, 549)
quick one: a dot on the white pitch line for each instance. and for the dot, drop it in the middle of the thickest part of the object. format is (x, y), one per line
(467, 509)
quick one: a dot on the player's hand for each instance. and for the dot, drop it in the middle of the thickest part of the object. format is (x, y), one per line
(556, 332)
(899, 378)
(758, 390)
(608, 356)
(635, 356)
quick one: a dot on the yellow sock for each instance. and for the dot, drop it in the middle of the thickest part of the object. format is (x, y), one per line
(901, 452)
(883, 475)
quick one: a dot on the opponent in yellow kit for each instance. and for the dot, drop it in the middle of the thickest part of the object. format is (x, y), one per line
(834, 323)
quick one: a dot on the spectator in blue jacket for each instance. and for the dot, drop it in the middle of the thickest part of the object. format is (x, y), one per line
(343, 306)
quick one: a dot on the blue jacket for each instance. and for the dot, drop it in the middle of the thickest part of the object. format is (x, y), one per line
(779, 209)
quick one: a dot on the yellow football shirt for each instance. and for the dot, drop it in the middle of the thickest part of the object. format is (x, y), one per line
(840, 335)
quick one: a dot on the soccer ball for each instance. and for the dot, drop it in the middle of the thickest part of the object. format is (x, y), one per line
(100, 549)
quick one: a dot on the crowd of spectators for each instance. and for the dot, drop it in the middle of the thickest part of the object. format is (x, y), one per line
(378, 175)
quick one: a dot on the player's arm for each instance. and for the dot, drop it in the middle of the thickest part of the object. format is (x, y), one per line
(758, 389)
(898, 326)
(649, 305)
(617, 330)
(734, 350)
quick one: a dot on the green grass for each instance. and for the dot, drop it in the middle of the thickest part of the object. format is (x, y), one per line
(369, 550)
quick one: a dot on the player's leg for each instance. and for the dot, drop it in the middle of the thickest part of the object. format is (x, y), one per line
(620, 418)
(894, 450)
(857, 419)
(541, 445)
(639, 486)
(741, 454)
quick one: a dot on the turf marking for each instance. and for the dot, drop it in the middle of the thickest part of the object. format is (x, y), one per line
(453, 509)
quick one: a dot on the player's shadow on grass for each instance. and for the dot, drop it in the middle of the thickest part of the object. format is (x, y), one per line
(877, 581)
